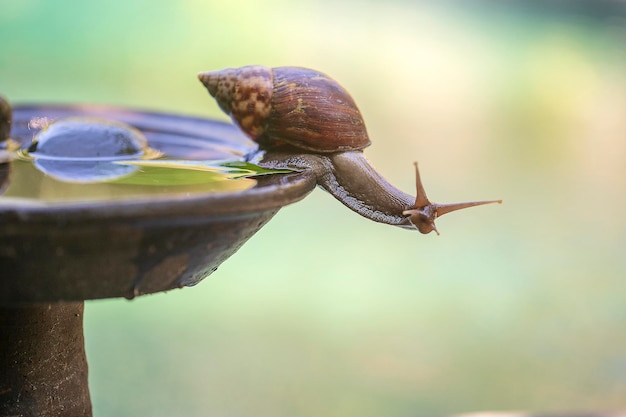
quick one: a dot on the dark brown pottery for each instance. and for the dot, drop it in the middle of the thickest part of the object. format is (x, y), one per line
(53, 256)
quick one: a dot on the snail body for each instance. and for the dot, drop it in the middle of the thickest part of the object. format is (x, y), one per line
(352, 180)
(303, 119)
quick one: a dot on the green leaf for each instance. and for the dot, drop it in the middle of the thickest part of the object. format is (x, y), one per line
(183, 172)
(255, 169)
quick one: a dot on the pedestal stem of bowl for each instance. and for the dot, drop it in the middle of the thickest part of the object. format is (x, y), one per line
(43, 367)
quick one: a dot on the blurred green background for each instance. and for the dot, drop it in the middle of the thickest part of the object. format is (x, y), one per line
(323, 313)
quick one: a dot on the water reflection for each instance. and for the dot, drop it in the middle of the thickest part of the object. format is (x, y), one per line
(29, 182)
(98, 159)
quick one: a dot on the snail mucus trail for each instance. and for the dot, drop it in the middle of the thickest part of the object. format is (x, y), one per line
(303, 119)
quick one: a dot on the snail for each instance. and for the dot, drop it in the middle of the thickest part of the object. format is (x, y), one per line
(303, 119)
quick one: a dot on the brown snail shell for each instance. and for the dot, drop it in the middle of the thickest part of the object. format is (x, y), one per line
(298, 106)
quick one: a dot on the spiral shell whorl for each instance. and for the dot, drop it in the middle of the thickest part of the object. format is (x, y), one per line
(312, 111)
(220, 85)
(244, 93)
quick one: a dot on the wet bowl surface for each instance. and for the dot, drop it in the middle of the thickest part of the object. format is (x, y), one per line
(78, 249)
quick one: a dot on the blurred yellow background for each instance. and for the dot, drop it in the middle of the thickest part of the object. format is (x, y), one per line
(323, 313)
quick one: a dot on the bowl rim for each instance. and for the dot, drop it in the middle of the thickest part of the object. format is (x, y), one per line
(271, 192)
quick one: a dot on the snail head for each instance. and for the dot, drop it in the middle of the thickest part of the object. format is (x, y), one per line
(423, 213)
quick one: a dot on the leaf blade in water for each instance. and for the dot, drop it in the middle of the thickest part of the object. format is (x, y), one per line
(181, 172)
